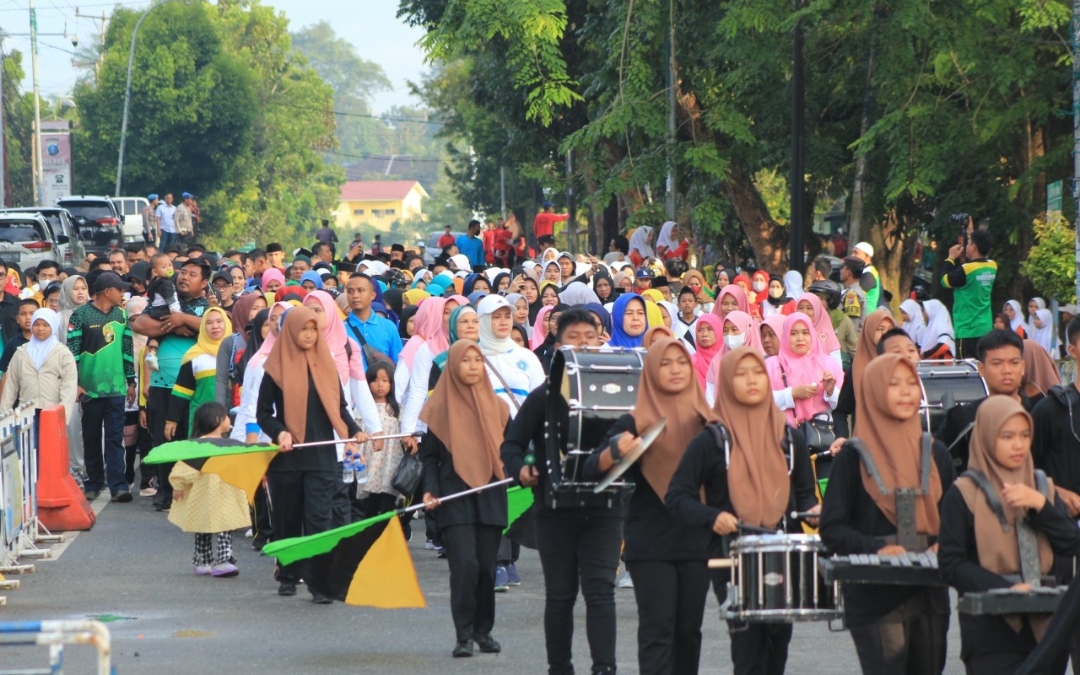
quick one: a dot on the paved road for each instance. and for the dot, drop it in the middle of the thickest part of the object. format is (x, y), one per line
(135, 565)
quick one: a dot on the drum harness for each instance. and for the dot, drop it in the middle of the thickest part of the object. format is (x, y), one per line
(906, 534)
(722, 438)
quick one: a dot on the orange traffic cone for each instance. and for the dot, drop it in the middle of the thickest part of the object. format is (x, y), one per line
(61, 504)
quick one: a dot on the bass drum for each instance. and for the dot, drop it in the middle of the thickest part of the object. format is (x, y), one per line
(948, 383)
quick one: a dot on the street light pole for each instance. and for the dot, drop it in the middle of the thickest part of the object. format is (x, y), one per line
(127, 94)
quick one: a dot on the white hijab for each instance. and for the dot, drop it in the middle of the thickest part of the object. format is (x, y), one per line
(939, 328)
(639, 242)
(462, 262)
(793, 284)
(916, 326)
(665, 239)
(489, 344)
(39, 350)
(1045, 335)
(1018, 315)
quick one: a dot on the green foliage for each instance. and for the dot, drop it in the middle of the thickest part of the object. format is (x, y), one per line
(1049, 266)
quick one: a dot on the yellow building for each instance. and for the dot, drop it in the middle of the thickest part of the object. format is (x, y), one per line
(379, 203)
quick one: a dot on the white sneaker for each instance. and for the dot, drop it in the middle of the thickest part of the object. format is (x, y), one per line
(250, 533)
(624, 581)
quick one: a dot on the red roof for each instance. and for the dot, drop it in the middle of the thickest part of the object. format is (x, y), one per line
(361, 190)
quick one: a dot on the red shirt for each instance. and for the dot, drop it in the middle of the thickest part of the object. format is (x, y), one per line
(544, 223)
(446, 240)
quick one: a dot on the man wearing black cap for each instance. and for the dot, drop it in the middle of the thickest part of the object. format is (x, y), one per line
(99, 337)
(397, 252)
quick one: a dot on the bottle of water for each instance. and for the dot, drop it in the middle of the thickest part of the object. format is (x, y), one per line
(360, 469)
(347, 468)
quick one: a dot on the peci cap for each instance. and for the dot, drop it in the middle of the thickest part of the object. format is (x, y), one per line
(107, 280)
(274, 247)
(865, 248)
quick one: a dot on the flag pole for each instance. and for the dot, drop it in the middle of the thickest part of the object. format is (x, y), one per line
(387, 437)
(417, 507)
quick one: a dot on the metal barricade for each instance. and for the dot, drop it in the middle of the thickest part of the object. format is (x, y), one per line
(20, 530)
(54, 635)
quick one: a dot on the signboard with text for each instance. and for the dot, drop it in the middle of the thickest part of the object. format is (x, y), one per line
(55, 160)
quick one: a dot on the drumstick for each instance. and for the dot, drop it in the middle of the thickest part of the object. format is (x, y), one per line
(757, 530)
(803, 515)
(722, 563)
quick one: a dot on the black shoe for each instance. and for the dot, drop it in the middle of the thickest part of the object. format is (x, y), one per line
(91, 495)
(123, 497)
(287, 589)
(487, 644)
(320, 599)
(463, 649)
(258, 542)
(440, 552)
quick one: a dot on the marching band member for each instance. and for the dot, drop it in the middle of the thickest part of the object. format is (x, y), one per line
(984, 515)
(757, 488)
(667, 561)
(458, 457)
(897, 629)
(577, 546)
(879, 322)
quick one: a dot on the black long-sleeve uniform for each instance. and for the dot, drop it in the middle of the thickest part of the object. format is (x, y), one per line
(959, 418)
(439, 478)
(958, 557)
(270, 414)
(1054, 443)
(852, 523)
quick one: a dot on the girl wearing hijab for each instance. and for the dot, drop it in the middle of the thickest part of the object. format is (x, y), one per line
(769, 474)
(759, 287)
(415, 296)
(1034, 305)
(530, 288)
(514, 371)
(456, 458)
(731, 298)
(911, 315)
(979, 546)
(540, 328)
(549, 294)
(546, 350)
(1040, 373)
(1015, 312)
(777, 301)
(624, 283)
(73, 294)
(723, 280)
(430, 325)
(655, 334)
(428, 363)
(695, 280)
(897, 629)
(1041, 325)
(576, 293)
(879, 322)
(196, 382)
(406, 323)
(567, 268)
(641, 245)
(266, 326)
(667, 560)
(604, 287)
(793, 283)
(520, 307)
(312, 281)
(552, 273)
(806, 381)
(233, 347)
(737, 330)
(667, 244)
(42, 370)
(301, 400)
(628, 322)
(708, 341)
(937, 338)
(769, 332)
(474, 283)
(272, 280)
(669, 314)
(811, 305)
(603, 318)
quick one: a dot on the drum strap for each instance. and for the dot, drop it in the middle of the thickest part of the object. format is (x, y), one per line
(506, 387)
(722, 438)
(906, 533)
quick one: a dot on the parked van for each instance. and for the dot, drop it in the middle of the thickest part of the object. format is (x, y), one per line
(132, 210)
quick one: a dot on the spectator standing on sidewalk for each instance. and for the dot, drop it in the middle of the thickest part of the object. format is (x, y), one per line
(150, 219)
(100, 340)
(166, 219)
(185, 219)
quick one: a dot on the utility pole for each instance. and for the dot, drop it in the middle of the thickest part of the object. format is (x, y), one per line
(39, 182)
(3, 136)
(502, 191)
(669, 202)
(571, 222)
(797, 179)
(1076, 132)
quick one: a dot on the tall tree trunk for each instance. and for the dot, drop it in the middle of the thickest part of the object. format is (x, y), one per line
(766, 236)
(894, 240)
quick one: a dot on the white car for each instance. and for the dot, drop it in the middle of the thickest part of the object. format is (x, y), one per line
(132, 210)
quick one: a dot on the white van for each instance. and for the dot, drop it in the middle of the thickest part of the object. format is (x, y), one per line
(132, 209)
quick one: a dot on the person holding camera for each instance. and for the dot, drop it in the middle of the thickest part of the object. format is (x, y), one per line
(971, 275)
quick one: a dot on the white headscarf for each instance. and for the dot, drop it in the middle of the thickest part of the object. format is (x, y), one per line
(37, 349)
(577, 293)
(1031, 329)
(665, 239)
(1018, 315)
(639, 242)
(489, 344)
(939, 327)
(1045, 335)
(917, 325)
(462, 262)
(793, 284)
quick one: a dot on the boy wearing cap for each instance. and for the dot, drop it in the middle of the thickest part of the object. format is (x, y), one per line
(99, 338)
(870, 281)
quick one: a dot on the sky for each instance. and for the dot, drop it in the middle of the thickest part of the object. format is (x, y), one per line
(371, 26)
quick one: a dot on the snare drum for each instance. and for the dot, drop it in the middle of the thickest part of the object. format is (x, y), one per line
(776, 580)
(957, 381)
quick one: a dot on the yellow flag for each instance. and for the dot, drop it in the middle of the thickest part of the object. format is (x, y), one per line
(385, 577)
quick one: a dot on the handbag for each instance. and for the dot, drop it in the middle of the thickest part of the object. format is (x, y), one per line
(819, 433)
(407, 475)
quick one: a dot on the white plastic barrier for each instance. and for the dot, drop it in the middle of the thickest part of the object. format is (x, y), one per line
(56, 634)
(20, 530)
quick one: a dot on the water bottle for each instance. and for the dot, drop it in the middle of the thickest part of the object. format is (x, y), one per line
(360, 469)
(347, 468)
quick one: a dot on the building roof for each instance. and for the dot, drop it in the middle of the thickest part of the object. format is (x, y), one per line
(373, 190)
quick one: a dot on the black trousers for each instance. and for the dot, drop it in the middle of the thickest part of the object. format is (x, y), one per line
(579, 549)
(261, 523)
(967, 348)
(910, 640)
(103, 443)
(303, 505)
(471, 550)
(157, 409)
(671, 605)
(756, 648)
(141, 449)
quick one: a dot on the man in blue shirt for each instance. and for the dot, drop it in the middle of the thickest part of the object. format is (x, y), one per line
(365, 326)
(471, 245)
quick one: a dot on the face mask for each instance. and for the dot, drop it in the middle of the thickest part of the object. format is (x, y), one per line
(734, 341)
(759, 286)
(776, 292)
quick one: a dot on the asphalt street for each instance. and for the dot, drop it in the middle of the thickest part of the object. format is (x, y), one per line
(134, 571)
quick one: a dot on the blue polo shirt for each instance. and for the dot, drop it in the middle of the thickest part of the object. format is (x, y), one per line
(378, 332)
(473, 247)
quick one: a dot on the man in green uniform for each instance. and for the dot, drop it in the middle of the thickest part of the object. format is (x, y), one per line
(973, 284)
(870, 280)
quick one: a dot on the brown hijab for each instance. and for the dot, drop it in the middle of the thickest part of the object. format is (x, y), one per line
(1039, 368)
(655, 334)
(283, 363)
(687, 413)
(758, 474)
(469, 420)
(999, 551)
(866, 351)
(895, 445)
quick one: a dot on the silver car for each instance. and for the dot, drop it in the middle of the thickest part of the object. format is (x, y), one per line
(26, 240)
(69, 248)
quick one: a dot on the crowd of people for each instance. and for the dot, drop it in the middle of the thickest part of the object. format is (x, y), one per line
(752, 371)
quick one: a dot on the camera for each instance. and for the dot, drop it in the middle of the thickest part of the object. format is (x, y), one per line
(962, 220)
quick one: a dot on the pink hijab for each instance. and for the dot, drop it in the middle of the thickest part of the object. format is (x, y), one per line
(703, 357)
(540, 327)
(271, 338)
(752, 338)
(776, 322)
(427, 327)
(336, 338)
(272, 274)
(789, 369)
(740, 297)
(822, 329)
